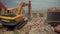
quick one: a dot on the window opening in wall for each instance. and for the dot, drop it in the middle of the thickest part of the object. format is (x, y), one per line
(41, 14)
(34, 15)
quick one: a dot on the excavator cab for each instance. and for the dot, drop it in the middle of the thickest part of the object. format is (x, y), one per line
(12, 18)
(10, 12)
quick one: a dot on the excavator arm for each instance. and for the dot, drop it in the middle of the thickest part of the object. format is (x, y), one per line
(20, 7)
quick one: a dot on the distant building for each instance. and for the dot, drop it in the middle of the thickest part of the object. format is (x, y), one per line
(37, 13)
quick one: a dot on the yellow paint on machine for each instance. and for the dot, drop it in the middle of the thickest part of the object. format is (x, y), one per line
(11, 18)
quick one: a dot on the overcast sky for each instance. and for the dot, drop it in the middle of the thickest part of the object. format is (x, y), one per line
(36, 4)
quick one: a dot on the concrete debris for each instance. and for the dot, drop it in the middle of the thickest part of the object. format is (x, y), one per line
(38, 26)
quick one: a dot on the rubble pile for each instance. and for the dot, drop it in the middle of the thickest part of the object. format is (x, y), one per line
(37, 26)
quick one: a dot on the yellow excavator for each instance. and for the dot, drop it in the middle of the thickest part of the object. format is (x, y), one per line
(12, 18)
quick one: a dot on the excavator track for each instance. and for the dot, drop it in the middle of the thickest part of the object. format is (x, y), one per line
(4, 30)
(18, 26)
